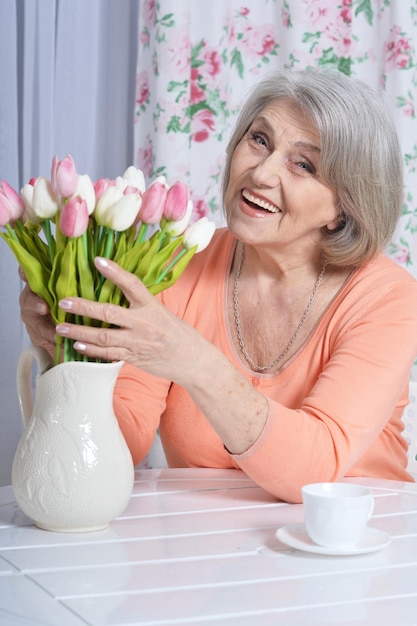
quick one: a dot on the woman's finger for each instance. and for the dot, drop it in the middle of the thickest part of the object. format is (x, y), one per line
(133, 289)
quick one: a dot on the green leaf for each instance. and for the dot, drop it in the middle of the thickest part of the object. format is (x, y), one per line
(365, 7)
(195, 52)
(63, 280)
(174, 275)
(35, 246)
(236, 60)
(121, 247)
(85, 275)
(159, 261)
(37, 275)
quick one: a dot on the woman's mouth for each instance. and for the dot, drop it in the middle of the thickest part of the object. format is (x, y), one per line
(258, 203)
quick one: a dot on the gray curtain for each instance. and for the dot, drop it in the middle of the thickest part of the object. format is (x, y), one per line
(67, 86)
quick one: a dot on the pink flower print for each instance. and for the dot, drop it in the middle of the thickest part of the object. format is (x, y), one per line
(144, 38)
(346, 14)
(145, 157)
(201, 123)
(408, 108)
(230, 28)
(244, 11)
(201, 208)
(213, 61)
(142, 88)
(398, 51)
(286, 21)
(175, 52)
(259, 41)
(210, 71)
(315, 12)
(401, 255)
(148, 12)
(196, 93)
(340, 34)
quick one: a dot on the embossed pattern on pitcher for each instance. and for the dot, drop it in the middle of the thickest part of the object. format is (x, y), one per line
(72, 469)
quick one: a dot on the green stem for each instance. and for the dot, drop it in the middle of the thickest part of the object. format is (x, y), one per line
(96, 240)
(11, 232)
(170, 266)
(103, 236)
(58, 345)
(142, 233)
(106, 254)
(67, 349)
(162, 235)
(46, 227)
(85, 244)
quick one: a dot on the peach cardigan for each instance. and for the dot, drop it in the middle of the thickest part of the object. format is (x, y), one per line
(334, 410)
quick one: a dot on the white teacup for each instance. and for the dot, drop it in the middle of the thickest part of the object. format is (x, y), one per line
(336, 514)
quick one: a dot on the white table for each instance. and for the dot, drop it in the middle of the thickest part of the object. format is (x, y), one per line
(199, 547)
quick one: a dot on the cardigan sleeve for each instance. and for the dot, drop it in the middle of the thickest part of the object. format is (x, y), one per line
(349, 422)
(139, 399)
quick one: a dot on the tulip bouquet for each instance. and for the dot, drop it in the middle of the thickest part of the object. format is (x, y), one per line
(55, 228)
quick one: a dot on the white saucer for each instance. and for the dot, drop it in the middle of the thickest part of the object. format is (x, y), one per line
(295, 536)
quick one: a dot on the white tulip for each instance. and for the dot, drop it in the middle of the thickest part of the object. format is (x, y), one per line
(199, 234)
(43, 204)
(120, 214)
(85, 191)
(135, 178)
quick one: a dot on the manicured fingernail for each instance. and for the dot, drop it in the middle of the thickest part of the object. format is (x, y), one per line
(79, 346)
(61, 329)
(101, 261)
(65, 304)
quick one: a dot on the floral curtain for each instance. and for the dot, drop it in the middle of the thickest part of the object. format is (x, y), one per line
(197, 61)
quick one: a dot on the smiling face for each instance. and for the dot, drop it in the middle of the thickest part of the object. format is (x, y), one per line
(275, 195)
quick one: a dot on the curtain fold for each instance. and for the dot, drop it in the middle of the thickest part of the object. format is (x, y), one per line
(67, 86)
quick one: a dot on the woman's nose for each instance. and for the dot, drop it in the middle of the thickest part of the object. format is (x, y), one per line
(267, 173)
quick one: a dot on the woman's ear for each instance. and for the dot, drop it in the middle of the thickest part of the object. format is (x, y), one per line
(338, 223)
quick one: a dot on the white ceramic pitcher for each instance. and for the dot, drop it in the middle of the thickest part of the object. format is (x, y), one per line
(72, 471)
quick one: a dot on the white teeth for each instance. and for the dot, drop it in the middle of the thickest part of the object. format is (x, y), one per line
(261, 203)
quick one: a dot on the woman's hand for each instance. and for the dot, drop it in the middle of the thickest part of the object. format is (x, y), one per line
(149, 336)
(35, 315)
(146, 334)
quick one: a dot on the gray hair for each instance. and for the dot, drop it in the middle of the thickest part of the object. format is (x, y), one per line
(360, 155)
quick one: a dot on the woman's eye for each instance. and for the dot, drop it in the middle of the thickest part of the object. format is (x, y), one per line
(258, 138)
(306, 166)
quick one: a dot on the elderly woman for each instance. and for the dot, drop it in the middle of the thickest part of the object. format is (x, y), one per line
(286, 346)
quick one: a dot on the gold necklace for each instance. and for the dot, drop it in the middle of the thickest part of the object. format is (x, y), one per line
(262, 368)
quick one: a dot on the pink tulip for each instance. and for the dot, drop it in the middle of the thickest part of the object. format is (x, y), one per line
(176, 201)
(101, 185)
(4, 214)
(12, 205)
(177, 227)
(64, 177)
(73, 220)
(129, 189)
(153, 203)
